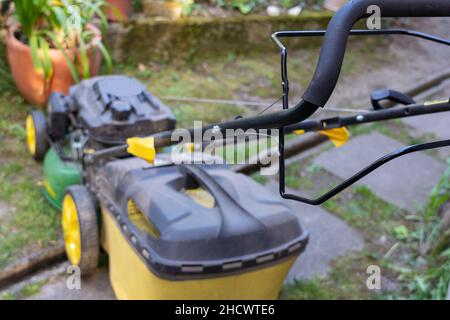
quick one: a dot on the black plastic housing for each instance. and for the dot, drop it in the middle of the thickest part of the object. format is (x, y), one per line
(248, 227)
(114, 108)
(58, 109)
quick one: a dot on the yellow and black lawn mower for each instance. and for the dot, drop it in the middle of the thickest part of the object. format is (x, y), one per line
(170, 231)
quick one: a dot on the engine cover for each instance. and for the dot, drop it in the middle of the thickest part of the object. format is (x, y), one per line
(114, 108)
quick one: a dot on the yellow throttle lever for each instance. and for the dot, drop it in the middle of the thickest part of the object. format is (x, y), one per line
(143, 148)
(339, 136)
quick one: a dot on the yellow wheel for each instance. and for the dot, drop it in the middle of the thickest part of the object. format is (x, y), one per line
(36, 130)
(80, 227)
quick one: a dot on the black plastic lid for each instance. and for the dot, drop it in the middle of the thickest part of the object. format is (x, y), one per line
(247, 227)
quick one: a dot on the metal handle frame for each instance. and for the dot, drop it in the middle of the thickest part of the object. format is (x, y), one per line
(316, 125)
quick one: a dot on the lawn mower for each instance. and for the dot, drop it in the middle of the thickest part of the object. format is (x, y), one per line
(184, 231)
(179, 229)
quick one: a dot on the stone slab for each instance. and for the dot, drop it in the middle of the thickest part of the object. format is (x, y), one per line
(405, 182)
(330, 238)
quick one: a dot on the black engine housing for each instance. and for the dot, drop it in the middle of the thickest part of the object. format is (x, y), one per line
(110, 109)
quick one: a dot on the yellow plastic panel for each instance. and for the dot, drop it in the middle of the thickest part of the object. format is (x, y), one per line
(131, 278)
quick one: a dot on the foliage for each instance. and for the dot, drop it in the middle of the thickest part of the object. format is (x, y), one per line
(7, 85)
(430, 244)
(62, 25)
(308, 290)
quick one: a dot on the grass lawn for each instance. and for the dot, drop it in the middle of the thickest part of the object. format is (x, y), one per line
(31, 223)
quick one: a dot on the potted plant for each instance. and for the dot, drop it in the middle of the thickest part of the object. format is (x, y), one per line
(119, 10)
(51, 45)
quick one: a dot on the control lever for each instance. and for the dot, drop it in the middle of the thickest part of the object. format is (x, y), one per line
(389, 95)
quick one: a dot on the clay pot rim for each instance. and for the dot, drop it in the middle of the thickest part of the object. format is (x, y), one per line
(12, 39)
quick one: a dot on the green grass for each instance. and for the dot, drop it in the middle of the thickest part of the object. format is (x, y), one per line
(34, 223)
(6, 83)
(260, 178)
(251, 77)
(345, 281)
(24, 292)
(314, 289)
(427, 275)
(361, 208)
(8, 296)
(298, 179)
(32, 289)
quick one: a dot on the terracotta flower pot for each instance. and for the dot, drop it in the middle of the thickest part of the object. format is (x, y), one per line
(122, 10)
(31, 82)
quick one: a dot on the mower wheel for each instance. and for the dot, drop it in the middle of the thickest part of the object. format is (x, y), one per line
(36, 130)
(80, 227)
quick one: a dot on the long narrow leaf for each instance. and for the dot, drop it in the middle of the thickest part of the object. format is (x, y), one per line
(35, 53)
(106, 56)
(46, 58)
(84, 58)
(69, 62)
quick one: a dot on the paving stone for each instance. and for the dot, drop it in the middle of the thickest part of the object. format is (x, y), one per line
(405, 182)
(330, 238)
(436, 124)
(95, 287)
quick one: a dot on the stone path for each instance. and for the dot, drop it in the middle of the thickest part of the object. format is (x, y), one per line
(405, 182)
(96, 287)
(330, 238)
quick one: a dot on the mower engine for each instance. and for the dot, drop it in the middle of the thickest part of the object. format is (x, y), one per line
(108, 110)
(98, 113)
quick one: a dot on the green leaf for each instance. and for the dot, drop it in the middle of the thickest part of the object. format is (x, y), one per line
(84, 60)
(69, 62)
(106, 56)
(35, 53)
(421, 283)
(401, 232)
(245, 8)
(46, 59)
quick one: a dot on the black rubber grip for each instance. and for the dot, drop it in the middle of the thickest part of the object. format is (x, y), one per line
(335, 42)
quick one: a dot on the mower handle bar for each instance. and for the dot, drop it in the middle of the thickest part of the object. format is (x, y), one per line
(334, 46)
